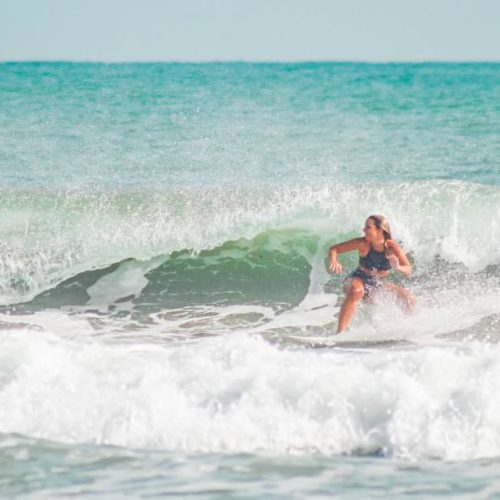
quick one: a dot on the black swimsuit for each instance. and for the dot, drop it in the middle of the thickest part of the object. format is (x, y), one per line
(373, 261)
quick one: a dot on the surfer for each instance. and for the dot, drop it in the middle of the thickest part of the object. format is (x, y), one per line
(378, 253)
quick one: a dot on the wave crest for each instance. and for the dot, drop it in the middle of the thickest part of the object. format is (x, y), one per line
(50, 237)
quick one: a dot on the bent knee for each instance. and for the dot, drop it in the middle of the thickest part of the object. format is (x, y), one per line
(355, 290)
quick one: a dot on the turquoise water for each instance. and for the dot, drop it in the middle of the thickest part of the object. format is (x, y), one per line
(164, 231)
(213, 124)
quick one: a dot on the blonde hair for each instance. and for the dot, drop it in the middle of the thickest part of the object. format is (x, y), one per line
(382, 223)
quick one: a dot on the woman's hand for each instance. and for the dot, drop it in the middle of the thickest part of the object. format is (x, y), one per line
(398, 259)
(335, 267)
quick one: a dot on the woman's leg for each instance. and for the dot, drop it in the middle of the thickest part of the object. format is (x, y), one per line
(354, 292)
(404, 297)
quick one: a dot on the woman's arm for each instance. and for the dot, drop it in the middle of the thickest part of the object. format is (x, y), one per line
(398, 259)
(345, 246)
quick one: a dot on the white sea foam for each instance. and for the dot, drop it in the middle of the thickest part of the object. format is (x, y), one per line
(238, 393)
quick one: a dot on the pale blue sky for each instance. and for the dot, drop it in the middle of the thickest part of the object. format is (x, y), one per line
(250, 30)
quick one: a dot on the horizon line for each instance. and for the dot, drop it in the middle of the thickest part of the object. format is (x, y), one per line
(250, 61)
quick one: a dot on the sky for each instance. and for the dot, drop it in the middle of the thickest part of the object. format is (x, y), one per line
(250, 30)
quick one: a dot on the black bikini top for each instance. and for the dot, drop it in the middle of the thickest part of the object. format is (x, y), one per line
(375, 261)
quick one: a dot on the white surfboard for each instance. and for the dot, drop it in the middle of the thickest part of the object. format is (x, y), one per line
(336, 341)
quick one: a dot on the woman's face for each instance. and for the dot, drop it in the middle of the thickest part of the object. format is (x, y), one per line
(372, 232)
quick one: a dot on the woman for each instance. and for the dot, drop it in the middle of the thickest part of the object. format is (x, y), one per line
(378, 253)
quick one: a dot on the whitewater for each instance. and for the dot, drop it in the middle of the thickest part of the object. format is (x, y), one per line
(164, 237)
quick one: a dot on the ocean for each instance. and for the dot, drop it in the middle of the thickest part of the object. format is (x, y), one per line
(164, 231)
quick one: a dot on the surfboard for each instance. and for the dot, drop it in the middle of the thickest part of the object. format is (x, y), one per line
(336, 341)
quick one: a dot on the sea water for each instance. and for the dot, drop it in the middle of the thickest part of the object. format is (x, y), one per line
(164, 231)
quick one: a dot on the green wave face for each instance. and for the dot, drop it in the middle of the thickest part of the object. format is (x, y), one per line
(242, 272)
(271, 270)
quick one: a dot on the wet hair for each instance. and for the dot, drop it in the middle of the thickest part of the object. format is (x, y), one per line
(382, 223)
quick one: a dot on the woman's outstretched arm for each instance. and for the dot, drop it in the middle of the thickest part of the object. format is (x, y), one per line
(345, 246)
